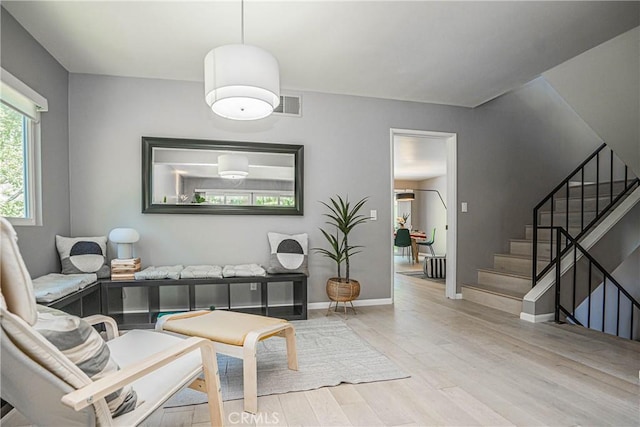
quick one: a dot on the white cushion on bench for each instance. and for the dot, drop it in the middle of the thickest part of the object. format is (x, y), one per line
(201, 272)
(163, 272)
(243, 270)
(53, 286)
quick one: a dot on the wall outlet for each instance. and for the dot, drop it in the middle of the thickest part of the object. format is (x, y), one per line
(254, 286)
(373, 215)
(464, 207)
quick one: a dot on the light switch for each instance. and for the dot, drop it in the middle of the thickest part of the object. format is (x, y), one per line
(464, 207)
(373, 215)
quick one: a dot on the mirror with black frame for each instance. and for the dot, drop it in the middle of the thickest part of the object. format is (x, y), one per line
(221, 177)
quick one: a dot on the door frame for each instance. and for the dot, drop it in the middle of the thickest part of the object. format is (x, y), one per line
(452, 203)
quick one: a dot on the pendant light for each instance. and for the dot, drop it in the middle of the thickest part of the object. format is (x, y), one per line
(233, 166)
(241, 82)
(405, 197)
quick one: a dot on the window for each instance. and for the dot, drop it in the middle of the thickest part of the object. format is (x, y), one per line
(247, 197)
(20, 151)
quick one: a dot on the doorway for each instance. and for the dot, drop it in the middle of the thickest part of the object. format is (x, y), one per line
(421, 177)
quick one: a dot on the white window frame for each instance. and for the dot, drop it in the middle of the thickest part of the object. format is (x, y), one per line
(17, 95)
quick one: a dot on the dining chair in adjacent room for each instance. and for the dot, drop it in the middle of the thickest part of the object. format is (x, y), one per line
(429, 243)
(403, 240)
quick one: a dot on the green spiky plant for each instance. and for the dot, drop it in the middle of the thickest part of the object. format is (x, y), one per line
(344, 217)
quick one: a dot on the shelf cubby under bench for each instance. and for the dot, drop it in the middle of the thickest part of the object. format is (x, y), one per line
(112, 297)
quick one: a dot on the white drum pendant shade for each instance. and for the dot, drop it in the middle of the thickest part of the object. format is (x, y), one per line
(233, 166)
(241, 82)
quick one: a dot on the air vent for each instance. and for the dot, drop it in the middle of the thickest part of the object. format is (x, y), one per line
(289, 106)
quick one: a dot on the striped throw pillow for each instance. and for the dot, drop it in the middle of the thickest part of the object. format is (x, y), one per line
(84, 346)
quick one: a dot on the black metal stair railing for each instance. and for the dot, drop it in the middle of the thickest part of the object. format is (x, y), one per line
(591, 174)
(580, 299)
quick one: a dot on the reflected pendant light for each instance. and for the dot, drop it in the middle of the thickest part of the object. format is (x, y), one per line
(405, 196)
(233, 166)
(241, 82)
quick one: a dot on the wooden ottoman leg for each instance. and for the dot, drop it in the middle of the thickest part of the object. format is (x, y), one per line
(250, 376)
(292, 353)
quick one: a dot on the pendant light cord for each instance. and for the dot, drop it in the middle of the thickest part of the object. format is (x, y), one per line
(242, 20)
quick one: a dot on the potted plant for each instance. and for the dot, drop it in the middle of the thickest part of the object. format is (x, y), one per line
(343, 217)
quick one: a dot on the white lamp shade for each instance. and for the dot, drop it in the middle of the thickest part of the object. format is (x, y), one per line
(124, 235)
(125, 238)
(233, 166)
(241, 82)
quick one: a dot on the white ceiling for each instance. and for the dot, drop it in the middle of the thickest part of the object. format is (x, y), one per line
(417, 158)
(455, 53)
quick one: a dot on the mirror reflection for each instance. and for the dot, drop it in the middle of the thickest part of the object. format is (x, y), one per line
(209, 176)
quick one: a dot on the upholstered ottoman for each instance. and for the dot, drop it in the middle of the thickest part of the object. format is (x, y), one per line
(236, 335)
(435, 267)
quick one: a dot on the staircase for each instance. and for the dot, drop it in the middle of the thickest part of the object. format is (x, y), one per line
(505, 284)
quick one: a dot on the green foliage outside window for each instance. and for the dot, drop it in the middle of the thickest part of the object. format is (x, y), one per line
(12, 163)
(266, 200)
(286, 201)
(237, 200)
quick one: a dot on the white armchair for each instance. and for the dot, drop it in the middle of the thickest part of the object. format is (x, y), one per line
(48, 389)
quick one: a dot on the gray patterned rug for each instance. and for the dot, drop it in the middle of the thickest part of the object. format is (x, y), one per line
(329, 353)
(421, 275)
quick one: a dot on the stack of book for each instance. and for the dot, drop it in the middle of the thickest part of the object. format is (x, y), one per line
(123, 269)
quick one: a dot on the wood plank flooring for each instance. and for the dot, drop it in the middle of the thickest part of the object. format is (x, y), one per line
(470, 366)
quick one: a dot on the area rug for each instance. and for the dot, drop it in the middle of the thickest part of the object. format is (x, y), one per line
(329, 353)
(421, 275)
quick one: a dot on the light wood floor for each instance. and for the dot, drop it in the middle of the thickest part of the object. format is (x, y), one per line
(469, 366)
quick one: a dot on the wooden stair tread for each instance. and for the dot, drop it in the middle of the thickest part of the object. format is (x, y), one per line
(504, 273)
(540, 241)
(513, 294)
(517, 256)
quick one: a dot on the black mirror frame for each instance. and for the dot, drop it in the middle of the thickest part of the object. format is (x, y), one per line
(149, 143)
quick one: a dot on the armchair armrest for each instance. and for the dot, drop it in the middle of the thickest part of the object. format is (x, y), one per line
(109, 323)
(88, 394)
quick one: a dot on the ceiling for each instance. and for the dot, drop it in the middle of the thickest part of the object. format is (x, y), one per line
(416, 158)
(454, 53)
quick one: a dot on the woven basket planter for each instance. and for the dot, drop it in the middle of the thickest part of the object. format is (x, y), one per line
(341, 291)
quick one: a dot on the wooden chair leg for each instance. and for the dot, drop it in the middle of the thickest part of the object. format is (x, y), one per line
(212, 384)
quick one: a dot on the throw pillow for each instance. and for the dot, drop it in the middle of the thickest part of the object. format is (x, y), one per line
(84, 346)
(288, 253)
(83, 255)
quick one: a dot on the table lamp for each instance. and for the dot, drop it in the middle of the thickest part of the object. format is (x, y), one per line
(125, 238)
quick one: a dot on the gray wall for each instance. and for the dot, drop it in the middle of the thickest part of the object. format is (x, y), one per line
(26, 59)
(347, 151)
(431, 213)
(510, 153)
(524, 144)
(603, 86)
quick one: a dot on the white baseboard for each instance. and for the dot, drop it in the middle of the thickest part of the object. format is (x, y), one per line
(357, 303)
(458, 296)
(537, 318)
